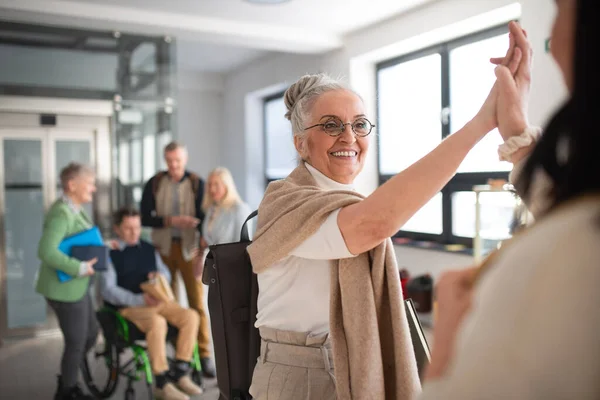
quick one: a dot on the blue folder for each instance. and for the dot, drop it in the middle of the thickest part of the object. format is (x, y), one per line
(89, 237)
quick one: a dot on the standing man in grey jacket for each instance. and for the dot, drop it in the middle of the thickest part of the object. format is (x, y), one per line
(172, 206)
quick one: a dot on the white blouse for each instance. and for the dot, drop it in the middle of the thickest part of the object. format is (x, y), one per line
(224, 225)
(294, 292)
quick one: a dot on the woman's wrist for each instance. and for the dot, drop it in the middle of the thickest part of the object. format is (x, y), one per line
(518, 146)
(84, 267)
(440, 358)
(480, 126)
(514, 131)
(522, 153)
(441, 354)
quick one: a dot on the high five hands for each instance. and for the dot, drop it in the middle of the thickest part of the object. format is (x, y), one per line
(506, 105)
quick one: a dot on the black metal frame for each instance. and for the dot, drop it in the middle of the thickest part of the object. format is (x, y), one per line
(267, 99)
(79, 37)
(461, 181)
(130, 83)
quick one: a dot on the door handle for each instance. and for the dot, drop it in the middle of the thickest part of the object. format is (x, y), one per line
(445, 115)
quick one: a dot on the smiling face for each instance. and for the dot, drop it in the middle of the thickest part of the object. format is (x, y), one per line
(216, 188)
(176, 161)
(81, 188)
(130, 230)
(340, 158)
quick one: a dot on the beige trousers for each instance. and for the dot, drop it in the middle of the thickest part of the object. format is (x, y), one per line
(153, 322)
(194, 290)
(293, 365)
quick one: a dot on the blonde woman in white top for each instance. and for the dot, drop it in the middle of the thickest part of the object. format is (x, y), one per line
(224, 209)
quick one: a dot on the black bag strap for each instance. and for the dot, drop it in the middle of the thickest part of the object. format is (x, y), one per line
(244, 236)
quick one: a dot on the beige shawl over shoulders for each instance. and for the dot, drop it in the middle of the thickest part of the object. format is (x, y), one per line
(372, 348)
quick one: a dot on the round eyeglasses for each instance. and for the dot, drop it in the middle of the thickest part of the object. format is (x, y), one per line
(335, 127)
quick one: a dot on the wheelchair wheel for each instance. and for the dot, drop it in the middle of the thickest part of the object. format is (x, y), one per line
(101, 370)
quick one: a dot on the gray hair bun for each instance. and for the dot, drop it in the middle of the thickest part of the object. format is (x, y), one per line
(303, 87)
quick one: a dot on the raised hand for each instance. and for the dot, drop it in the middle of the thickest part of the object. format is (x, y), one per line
(487, 115)
(514, 87)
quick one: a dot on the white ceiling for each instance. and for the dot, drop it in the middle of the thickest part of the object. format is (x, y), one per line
(218, 35)
(213, 57)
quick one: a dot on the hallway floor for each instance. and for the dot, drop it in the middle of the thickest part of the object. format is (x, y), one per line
(28, 370)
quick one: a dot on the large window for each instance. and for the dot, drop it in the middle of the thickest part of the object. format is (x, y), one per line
(140, 140)
(425, 96)
(280, 154)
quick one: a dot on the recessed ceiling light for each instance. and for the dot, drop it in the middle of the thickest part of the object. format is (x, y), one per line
(267, 1)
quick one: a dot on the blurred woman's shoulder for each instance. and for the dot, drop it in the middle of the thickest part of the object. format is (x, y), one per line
(565, 241)
(241, 208)
(579, 216)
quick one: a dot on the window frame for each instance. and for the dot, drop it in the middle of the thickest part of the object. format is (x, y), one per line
(462, 181)
(274, 96)
(125, 189)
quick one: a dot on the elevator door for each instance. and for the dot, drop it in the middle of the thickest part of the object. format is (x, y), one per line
(30, 160)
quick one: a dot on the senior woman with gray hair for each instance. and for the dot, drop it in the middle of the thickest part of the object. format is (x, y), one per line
(70, 300)
(330, 310)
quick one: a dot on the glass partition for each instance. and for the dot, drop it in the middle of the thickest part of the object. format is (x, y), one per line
(135, 72)
(142, 131)
(23, 218)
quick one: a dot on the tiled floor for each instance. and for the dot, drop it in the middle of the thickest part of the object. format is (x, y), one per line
(28, 370)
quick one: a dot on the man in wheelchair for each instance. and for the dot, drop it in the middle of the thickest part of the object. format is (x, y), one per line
(133, 262)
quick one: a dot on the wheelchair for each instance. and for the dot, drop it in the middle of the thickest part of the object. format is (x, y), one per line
(113, 362)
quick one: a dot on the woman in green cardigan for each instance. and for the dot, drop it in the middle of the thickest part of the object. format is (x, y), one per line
(71, 300)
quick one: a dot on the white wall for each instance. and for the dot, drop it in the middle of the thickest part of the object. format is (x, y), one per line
(200, 118)
(547, 89)
(241, 145)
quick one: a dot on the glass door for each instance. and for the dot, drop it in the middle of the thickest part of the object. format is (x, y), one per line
(66, 147)
(23, 200)
(31, 161)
